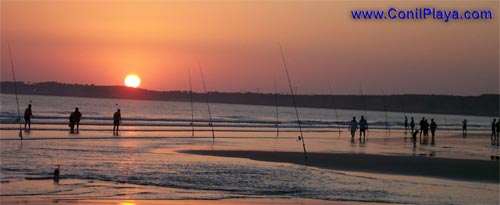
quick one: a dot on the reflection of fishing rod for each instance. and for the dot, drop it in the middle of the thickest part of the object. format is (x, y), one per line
(364, 107)
(333, 106)
(191, 98)
(387, 127)
(277, 113)
(15, 89)
(208, 104)
(301, 137)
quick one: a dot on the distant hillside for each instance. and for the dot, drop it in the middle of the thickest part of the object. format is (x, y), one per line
(484, 105)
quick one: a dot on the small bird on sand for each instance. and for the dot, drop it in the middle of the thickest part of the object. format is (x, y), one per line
(56, 173)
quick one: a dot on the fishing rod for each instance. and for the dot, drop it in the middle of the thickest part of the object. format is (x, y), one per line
(15, 89)
(404, 112)
(208, 104)
(403, 104)
(277, 113)
(446, 123)
(301, 137)
(191, 98)
(387, 127)
(333, 105)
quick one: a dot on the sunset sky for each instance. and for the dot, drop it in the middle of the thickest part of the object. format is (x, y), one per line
(100, 42)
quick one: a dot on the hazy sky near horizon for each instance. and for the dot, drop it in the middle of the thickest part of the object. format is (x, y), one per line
(100, 42)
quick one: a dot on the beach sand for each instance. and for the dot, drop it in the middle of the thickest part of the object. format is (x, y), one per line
(458, 169)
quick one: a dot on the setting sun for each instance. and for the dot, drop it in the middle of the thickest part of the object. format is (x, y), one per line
(132, 81)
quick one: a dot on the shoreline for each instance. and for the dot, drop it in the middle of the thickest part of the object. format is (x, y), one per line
(445, 168)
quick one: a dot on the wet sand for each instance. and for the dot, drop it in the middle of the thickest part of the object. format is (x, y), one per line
(457, 169)
(384, 169)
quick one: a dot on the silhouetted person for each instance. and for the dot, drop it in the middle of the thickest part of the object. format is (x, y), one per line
(72, 122)
(56, 174)
(78, 116)
(363, 126)
(433, 130)
(28, 114)
(117, 118)
(353, 126)
(406, 124)
(412, 124)
(498, 132)
(464, 127)
(426, 131)
(414, 138)
(421, 128)
(493, 131)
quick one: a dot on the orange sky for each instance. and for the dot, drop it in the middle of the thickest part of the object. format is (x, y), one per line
(237, 43)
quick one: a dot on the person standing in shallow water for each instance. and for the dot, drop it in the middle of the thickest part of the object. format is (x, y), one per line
(363, 126)
(498, 132)
(353, 126)
(117, 118)
(433, 131)
(426, 131)
(422, 122)
(493, 131)
(72, 122)
(28, 114)
(412, 124)
(464, 127)
(78, 116)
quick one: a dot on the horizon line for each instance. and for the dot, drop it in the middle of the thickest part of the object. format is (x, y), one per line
(249, 92)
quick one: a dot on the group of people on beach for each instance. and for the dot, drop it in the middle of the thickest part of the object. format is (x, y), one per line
(363, 127)
(422, 132)
(74, 120)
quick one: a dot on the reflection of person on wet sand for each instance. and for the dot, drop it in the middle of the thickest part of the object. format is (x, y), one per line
(27, 118)
(117, 118)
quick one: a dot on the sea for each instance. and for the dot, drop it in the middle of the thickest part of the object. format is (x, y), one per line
(144, 115)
